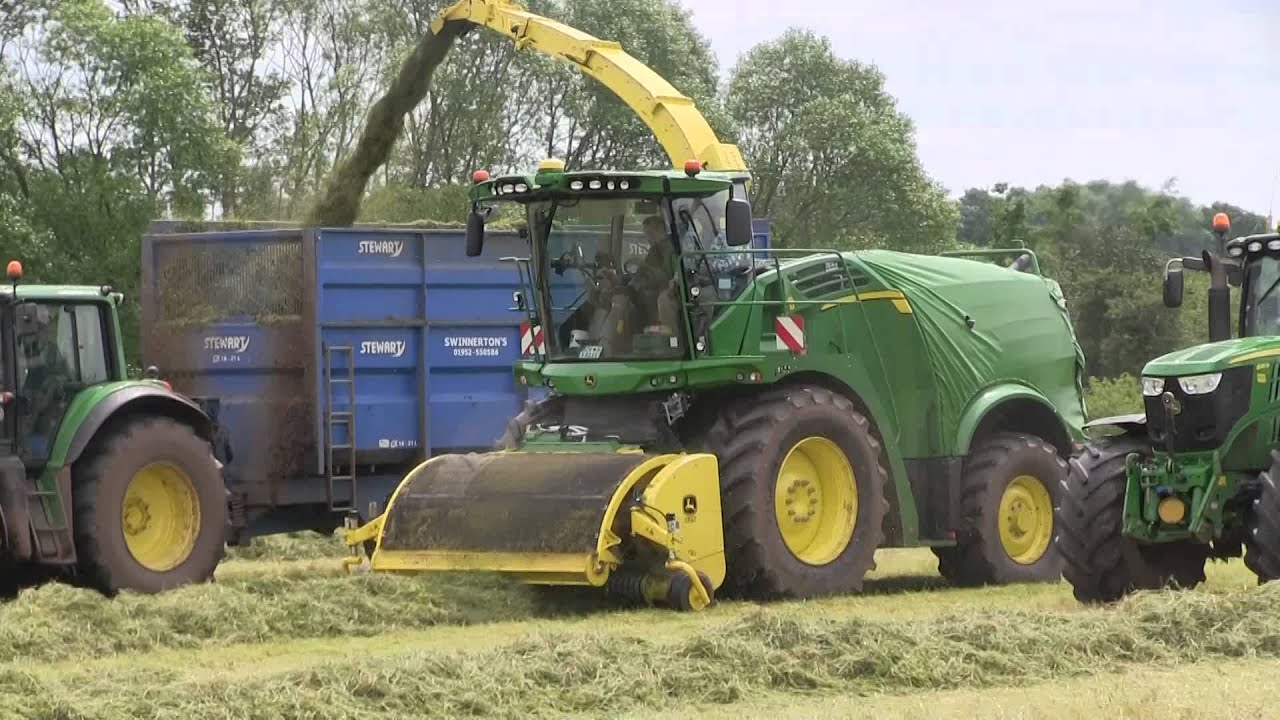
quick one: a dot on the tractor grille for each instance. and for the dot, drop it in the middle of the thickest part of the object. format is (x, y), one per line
(1205, 420)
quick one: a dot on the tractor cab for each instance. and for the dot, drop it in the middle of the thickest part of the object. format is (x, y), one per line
(62, 342)
(1259, 257)
(623, 265)
(1252, 264)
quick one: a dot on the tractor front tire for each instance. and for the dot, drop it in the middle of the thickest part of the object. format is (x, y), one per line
(150, 508)
(1100, 561)
(1262, 540)
(803, 494)
(1006, 527)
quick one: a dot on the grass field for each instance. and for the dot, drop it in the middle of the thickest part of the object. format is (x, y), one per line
(284, 634)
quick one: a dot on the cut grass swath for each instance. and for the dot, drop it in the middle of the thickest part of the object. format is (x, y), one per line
(760, 653)
(57, 622)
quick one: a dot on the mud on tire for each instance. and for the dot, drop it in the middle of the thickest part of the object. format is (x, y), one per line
(979, 557)
(751, 439)
(1101, 563)
(100, 481)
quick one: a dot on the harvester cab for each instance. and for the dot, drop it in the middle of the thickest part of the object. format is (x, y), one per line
(1194, 476)
(105, 481)
(624, 265)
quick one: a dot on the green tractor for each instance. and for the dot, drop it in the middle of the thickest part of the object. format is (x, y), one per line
(106, 482)
(1156, 494)
(762, 420)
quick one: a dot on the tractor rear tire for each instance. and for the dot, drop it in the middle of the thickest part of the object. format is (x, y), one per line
(1006, 529)
(533, 413)
(1262, 541)
(1100, 561)
(150, 508)
(788, 457)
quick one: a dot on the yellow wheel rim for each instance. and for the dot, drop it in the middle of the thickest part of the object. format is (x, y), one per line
(816, 501)
(160, 517)
(1026, 519)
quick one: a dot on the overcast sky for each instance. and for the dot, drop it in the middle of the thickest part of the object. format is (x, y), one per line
(1037, 92)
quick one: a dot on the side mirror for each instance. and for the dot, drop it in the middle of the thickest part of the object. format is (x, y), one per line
(737, 220)
(518, 298)
(31, 317)
(475, 233)
(1173, 285)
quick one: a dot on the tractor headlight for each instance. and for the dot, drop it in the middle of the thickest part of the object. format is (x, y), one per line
(1151, 387)
(1200, 384)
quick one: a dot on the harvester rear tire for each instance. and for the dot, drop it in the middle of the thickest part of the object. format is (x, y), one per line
(101, 480)
(980, 557)
(1262, 541)
(751, 439)
(1099, 560)
(534, 412)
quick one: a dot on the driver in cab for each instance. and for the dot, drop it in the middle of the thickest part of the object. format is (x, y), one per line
(656, 278)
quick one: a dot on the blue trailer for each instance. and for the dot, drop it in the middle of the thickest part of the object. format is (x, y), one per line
(335, 360)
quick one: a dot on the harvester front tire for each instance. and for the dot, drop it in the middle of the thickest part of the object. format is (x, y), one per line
(1009, 486)
(181, 481)
(1262, 539)
(752, 439)
(1099, 560)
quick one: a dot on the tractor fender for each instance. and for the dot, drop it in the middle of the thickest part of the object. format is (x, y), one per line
(1031, 400)
(151, 398)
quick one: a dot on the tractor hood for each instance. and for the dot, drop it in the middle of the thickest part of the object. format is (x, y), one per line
(1212, 357)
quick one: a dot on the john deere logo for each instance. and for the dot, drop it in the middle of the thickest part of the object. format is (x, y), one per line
(690, 505)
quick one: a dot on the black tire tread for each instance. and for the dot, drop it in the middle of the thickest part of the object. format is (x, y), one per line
(89, 473)
(967, 564)
(1262, 539)
(739, 434)
(1101, 563)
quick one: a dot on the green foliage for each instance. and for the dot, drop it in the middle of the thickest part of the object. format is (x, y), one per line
(400, 204)
(1121, 395)
(1106, 244)
(834, 160)
(233, 38)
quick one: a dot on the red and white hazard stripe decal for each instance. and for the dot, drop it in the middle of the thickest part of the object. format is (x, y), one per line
(531, 340)
(790, 332)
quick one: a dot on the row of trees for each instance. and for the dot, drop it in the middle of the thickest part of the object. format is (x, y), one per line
(1107, 244)
(113, 113)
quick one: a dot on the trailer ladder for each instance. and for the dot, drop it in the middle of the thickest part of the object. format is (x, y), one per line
(340, 455)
